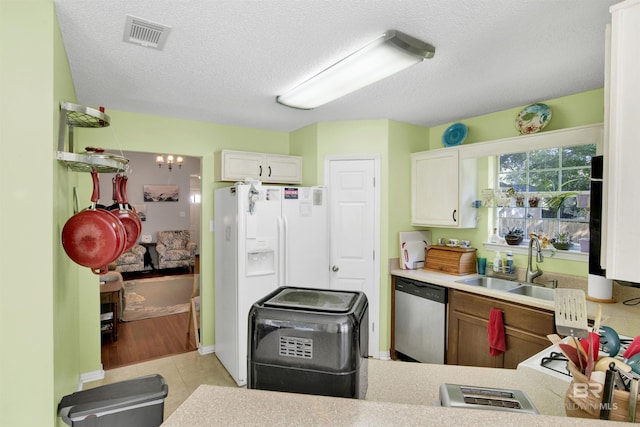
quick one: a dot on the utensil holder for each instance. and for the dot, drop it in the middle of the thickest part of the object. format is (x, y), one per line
(585, 402)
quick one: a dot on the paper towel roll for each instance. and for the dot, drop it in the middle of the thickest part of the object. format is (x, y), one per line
(599, 287)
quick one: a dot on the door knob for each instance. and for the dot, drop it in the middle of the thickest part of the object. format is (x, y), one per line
(335, 268)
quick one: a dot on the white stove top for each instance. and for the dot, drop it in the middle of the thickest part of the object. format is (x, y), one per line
(552, 362)
(556, 368)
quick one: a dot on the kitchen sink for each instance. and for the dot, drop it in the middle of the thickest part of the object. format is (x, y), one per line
(512, 287)
(490, 283)
(534, 291)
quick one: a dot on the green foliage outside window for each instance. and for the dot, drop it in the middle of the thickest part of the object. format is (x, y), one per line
(555, 176)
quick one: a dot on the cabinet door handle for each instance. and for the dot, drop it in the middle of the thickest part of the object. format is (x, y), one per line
(260, 173)
(454, 215)
(269, 170)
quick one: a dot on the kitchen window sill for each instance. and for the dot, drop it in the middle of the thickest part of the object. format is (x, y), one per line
(523, 249)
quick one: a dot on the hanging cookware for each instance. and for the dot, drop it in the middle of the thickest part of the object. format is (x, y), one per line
(94, 237)
(127, 206)
(125, 197)
(131, 222)
(123, 193)
(114, 197)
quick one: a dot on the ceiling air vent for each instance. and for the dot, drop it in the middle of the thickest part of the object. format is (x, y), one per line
(145, 33)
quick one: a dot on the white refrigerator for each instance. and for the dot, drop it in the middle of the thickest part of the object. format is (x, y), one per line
(265, 237)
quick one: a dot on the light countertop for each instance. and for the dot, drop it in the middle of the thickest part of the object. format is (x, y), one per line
(400, 393)
(623, 318)
(403, 393)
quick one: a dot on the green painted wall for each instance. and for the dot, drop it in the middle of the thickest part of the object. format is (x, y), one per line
(39, 301)
(569, 111)
(75, 340)
(304, 142)
(403, 139)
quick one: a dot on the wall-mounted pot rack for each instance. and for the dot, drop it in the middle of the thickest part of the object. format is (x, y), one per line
(74, 115)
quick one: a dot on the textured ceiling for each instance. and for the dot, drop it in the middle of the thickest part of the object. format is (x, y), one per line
(226, 61)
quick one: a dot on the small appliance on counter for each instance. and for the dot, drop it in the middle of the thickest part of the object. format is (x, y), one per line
(495, 399)
(309, 341)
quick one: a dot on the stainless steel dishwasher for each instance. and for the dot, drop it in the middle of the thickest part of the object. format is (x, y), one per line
(420, 320)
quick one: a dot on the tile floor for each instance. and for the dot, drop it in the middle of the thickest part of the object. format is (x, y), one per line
(183, 373)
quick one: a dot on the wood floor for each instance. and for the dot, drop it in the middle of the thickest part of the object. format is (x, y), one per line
(147, 339)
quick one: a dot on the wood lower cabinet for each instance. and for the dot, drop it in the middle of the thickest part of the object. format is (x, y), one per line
(526, 329)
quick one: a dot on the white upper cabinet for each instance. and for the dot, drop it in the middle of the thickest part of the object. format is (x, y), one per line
(443, 188)
(622, 147)
(286, 169)
(274, 168)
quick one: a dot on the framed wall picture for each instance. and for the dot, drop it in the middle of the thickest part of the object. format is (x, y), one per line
(161, 193)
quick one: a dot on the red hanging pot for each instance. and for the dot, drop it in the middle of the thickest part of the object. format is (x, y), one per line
(131, 209)
(129, 219)
(94, 237)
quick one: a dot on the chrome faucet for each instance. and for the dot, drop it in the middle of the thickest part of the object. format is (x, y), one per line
(531, 274)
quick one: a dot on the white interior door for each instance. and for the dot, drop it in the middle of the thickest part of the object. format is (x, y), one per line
(354, 228)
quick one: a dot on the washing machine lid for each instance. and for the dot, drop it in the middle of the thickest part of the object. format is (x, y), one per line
(313, 299)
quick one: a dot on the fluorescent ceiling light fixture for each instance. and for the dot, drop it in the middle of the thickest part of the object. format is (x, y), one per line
(392, 52)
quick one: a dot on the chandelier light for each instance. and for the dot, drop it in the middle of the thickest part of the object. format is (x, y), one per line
(171, 160)
(392, 52)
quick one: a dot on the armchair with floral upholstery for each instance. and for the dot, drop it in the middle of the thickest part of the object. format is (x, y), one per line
(131, 260)
(175, 249)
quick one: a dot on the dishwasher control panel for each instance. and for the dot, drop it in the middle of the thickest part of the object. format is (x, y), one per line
(422, 290)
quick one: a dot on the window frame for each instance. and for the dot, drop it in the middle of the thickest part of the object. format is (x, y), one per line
(542, 220)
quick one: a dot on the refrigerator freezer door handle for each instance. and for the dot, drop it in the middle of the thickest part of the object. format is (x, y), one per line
(280, 252)
(285, 251)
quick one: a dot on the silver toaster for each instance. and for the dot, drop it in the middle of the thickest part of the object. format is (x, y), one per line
(494, 399)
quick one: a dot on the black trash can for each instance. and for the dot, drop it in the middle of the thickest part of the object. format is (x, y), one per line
(138, 402)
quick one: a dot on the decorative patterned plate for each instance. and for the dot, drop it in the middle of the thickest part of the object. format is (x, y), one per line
(533, 118)
(454, 135)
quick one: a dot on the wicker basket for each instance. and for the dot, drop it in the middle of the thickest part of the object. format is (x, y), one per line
(581, 406)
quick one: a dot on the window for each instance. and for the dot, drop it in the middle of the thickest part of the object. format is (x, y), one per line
(558, 178)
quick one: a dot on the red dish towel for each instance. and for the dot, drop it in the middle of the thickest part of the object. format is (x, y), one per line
(495, 330)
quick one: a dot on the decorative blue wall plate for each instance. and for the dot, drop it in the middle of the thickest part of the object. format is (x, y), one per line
(454, 135)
